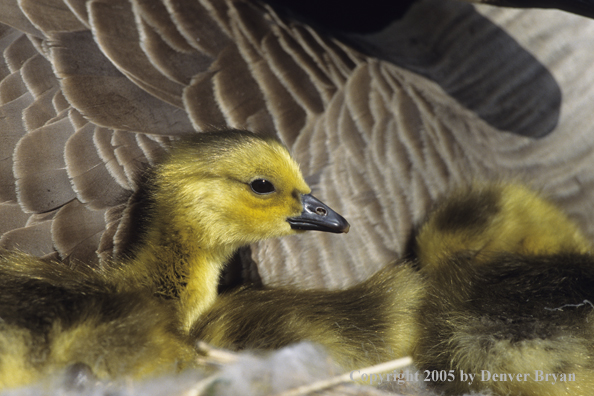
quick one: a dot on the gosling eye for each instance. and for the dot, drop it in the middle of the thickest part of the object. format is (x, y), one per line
(262, 186)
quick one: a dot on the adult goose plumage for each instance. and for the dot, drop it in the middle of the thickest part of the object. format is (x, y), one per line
(75, 74)
(75, 137)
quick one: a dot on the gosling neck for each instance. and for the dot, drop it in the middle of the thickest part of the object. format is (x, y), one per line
(178, 263)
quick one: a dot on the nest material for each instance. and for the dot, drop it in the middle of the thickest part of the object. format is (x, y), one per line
(299, 370)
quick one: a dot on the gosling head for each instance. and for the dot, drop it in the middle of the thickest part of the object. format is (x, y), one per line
(234, 188)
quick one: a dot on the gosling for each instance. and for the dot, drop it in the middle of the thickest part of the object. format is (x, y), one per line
(213, 194)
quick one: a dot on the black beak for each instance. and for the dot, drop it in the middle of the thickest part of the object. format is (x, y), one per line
(580, 7)
(318, 216)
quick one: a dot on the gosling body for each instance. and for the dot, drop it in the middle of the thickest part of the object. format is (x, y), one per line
(509, 285)
(524, 317)
(54, 317)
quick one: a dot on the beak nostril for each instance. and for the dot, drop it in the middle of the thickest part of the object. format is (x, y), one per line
(316, 215)
(321, 211)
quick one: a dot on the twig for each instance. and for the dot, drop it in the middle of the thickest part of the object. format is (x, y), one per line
(201, 386)
(327, 383)
(213, 355)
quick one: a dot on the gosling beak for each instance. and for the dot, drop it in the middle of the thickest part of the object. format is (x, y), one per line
(318, 216)
(580, 7)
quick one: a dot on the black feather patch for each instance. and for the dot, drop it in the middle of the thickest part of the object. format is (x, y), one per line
(531, 304)
(472, 209)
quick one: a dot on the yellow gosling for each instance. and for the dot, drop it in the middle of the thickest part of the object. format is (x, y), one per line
(509, 294)
(213, 194)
